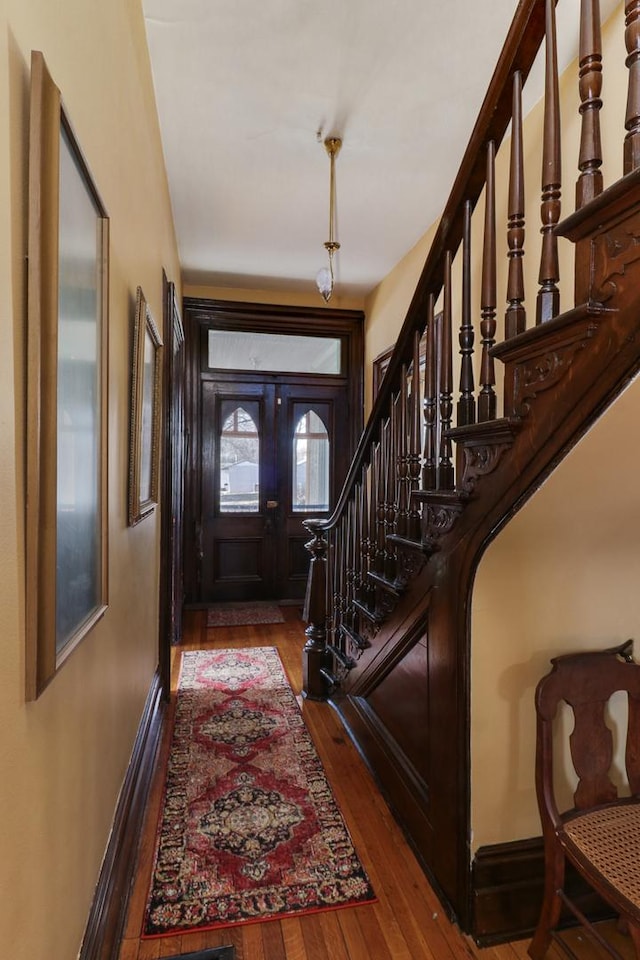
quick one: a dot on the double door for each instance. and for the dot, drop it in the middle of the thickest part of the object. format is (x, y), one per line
(273, 452)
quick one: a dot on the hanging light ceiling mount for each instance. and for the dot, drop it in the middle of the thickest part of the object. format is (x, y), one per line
(325, 276)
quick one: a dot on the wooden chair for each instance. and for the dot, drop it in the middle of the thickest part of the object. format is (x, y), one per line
(600, 835)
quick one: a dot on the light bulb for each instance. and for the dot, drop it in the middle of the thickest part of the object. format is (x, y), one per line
(324, 281)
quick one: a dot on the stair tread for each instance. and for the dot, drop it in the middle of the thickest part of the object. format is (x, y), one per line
(391, 586)
(598, 214)
(535, 339)
(406, 543)
(372, 615)
(360, 642)
(344, 658)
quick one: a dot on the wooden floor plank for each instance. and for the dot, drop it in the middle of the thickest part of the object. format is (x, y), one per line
(128, 950)
(314, 943)
(272, 942)
(293, 939)
(407, 923)
(357, 949)
(332, 934)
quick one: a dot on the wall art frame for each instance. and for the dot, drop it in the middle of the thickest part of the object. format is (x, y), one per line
(144, 425)
(67, 400)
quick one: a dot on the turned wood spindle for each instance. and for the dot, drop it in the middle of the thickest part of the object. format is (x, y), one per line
(360, 534)
(381, 509)
(431, 367)
(349, 563)
(487, 396)
(632, 121)
(368, 539)
(373, 509)
(413, 458)
(466, 409)
(364, 542)
(515, 318)
(589, 183)
(548, 302)
(445, 464)
(336, 574)
(391, 480)
(402, 457)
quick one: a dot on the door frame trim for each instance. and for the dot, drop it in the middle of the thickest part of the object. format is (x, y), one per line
(172, 324)
(200, 314)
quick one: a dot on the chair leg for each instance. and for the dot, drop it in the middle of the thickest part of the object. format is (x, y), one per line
(551, 903)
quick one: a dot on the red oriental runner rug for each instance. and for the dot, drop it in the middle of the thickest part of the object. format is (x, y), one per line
(249, 828)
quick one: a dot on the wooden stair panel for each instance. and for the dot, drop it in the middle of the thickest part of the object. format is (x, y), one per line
(424, 525)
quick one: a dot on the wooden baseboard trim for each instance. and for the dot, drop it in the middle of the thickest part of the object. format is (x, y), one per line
(507, 881)
(108, 911)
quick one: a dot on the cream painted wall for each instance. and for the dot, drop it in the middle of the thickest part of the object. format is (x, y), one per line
(386, 307)
(563, 574)
(282, 298)
(64, 756)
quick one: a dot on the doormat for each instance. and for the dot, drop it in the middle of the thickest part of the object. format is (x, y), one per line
(243, 614)
(249, 829)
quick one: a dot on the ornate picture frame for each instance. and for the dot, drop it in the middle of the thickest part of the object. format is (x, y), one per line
(67, 354)
(144, 426)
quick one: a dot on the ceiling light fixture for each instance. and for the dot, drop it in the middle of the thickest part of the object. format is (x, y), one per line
(324, 277)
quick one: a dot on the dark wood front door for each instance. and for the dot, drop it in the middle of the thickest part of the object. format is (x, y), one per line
(273, 452)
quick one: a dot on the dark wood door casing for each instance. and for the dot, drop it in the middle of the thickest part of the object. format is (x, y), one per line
(172, 481)
(200, 315)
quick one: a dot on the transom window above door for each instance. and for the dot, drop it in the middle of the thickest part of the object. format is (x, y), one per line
(274, 352)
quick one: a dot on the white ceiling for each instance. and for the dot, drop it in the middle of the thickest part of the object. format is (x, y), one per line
(248, 89)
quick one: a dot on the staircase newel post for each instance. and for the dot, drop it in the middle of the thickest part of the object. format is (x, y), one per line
(314, 654)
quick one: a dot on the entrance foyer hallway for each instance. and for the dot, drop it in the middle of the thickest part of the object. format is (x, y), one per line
(407, 922)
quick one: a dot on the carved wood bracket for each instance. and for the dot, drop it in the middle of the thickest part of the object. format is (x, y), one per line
(481, 447)
(545, 370)
(480, 461)
(439, 514)
(612, 257)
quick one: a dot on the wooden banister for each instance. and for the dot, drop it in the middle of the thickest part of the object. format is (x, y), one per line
(518, 54)
(377, 445)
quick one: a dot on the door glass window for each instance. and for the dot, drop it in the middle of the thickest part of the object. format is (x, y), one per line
(239, 463)
(274, 352)
(310, 465)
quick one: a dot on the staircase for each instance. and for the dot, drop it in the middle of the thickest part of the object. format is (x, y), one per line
(392, 570)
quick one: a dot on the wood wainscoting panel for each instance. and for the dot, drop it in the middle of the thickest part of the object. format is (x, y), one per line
(108, 911)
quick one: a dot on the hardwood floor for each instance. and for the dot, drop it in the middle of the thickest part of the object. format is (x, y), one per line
(407, 922)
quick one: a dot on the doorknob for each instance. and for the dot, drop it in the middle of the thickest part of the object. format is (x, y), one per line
(272, 504)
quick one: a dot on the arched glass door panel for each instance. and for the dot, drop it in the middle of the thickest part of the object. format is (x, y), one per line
(239, 475)
(310, 463)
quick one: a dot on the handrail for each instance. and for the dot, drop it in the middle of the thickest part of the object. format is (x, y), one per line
(518, 55)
